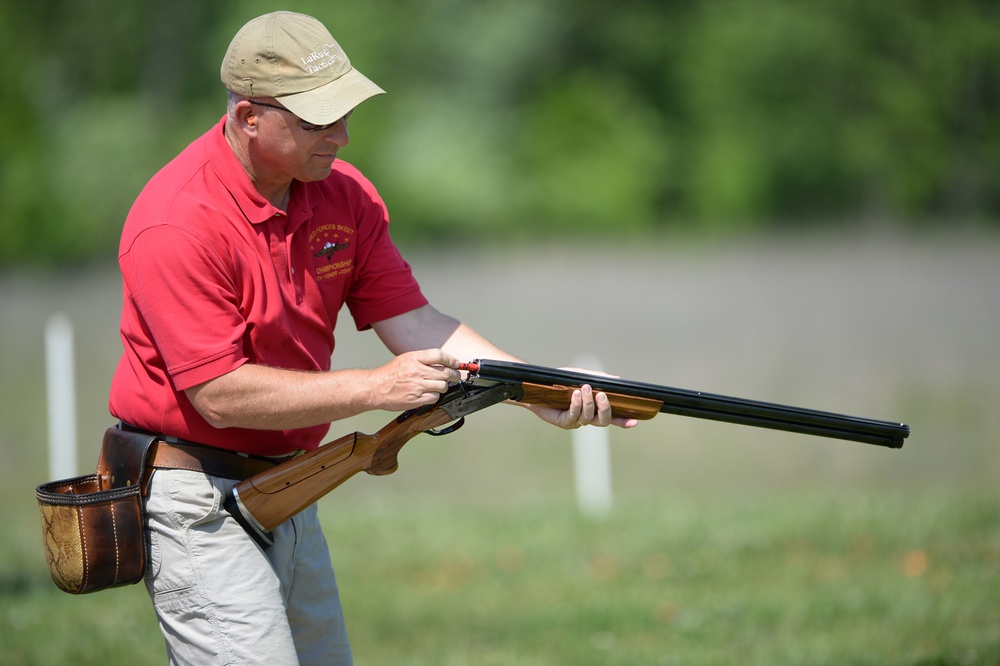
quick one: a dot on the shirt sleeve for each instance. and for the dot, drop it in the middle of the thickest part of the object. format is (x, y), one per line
(186, 299)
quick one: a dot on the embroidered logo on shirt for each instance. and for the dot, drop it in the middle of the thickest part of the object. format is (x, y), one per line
(325, 242)
(330, 248)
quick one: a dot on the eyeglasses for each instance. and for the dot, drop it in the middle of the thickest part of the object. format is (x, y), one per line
(309, 127)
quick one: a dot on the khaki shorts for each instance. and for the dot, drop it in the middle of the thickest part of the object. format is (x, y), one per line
(220, 599)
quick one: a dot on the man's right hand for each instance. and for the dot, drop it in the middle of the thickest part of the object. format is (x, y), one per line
(413, 379)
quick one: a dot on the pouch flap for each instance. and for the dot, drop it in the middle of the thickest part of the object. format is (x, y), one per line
(123, 457)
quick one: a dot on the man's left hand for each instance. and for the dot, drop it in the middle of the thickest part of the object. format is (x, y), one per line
(586, 407)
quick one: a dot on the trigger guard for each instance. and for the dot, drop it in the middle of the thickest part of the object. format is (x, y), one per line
(447, 431)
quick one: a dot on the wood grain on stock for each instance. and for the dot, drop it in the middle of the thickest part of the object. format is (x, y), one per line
(626, 406)
(274, 496)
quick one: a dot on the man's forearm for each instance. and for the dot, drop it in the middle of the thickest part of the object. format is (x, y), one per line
(466, 343)
(266, 398)
(427, 328)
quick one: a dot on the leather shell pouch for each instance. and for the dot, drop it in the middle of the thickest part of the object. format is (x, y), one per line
(93, 526)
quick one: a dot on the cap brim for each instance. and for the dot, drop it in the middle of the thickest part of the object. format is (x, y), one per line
(332, 101)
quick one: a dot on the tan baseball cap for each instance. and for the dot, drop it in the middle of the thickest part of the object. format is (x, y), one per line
(294, 58)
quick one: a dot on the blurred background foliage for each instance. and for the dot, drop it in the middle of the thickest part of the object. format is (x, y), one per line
(517, 117)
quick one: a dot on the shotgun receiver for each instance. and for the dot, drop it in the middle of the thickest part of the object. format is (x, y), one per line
(266, 500)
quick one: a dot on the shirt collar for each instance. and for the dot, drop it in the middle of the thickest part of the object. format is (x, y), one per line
(234, 178)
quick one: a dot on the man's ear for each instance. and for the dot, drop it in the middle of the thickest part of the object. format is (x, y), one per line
(246, 117)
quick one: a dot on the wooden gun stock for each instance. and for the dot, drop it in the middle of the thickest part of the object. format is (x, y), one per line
(268, 499)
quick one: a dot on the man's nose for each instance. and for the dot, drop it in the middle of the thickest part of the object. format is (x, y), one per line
(338, 133)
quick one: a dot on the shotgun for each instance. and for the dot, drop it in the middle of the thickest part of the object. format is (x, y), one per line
(266, 500)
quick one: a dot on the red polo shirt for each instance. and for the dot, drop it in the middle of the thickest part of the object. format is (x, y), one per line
(214, 276)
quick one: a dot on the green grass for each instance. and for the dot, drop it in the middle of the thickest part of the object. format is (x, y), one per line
(793, 578)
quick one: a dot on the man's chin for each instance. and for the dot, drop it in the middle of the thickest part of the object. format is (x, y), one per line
(320, 171)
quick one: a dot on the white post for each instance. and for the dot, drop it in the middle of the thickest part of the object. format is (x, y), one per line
(61, 383)
(592, 462)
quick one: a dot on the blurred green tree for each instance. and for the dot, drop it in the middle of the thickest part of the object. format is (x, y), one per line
(533, 117)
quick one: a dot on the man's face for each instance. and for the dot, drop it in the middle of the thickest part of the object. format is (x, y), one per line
(291, 147)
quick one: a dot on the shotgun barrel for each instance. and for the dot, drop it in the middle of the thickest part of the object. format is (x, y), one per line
(698, 404)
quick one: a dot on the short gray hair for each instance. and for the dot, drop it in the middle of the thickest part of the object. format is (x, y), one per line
(232, 99)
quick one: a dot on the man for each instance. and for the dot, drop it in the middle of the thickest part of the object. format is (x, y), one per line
(236, 259)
